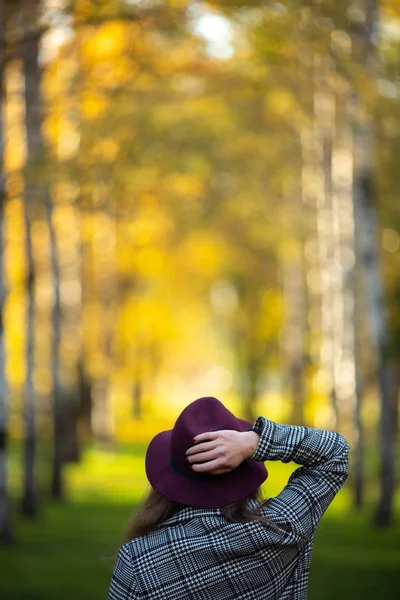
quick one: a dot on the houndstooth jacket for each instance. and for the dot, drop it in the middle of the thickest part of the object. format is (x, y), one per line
(198, 555)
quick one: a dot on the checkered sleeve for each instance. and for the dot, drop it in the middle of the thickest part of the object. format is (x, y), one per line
(312, 487)
(123, 585)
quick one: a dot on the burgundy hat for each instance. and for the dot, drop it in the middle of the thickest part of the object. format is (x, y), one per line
(171, 475)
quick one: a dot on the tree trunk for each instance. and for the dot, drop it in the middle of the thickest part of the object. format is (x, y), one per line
(251, 395)
(368, 226)
(295, 331)
(358, 432)
(59, 413)
(324, 120)
(136, 361)
(349, 387)
(84, 380)
(85, 397)
(29, 497)
(70, 437)
(137, 392)
(364, 40)
(5, 519)
(104, 252)
(251, 355)
(36, 157)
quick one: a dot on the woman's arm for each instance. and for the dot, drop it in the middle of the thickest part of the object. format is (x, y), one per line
(310, 489)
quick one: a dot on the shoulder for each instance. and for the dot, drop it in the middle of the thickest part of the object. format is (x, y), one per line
(124, 581)
(125, 554)
(142, 545)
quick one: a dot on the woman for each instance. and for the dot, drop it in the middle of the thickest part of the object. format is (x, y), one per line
(204, 534)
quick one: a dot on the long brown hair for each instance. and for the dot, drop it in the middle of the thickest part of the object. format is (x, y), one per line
(156, 509)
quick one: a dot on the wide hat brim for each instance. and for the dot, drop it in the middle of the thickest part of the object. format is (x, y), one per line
(201, 490)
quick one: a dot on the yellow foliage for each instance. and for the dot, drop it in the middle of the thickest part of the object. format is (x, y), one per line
(97, 364)
(51, 129)
(93, 104)
(148, 262)
(279, 102)
(68, 140)
(42, 380)
(272, 313)
(144, 82)
(112, 74)
(185, 185)
(204, 252)
(124, 259)
(146, 319)
(391, 9)
(151, 226)
(144, 429)
(15, 150)
(175, 59)
(288, 249)
(214, 112)
(15, 147)
(14, 262)
(107, 42)
(14, 316)
(106, 150)
(178, 3)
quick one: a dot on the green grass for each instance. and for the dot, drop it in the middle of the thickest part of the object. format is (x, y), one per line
(61, 554)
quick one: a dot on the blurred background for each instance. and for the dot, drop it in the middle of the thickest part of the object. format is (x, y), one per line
(196, 198)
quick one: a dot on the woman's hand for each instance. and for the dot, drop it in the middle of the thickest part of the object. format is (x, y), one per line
(218, 452)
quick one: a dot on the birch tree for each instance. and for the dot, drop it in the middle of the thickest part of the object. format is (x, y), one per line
(349, 384)
(41, 196)
(29, 495)
(295, 334)
(364, 40)
(5, 522)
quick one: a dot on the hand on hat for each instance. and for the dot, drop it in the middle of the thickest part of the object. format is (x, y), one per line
(222, 451)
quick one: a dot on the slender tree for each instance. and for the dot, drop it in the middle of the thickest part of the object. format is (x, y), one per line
(29, 497)
(5, 520)
(41, 196)
(29, 500)
(294, 284)
(349, 388)
(364, 39)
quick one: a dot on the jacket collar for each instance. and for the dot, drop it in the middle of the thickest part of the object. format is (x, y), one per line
(188, 513)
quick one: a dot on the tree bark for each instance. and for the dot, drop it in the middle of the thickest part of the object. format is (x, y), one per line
(29, 496)
(41, 196)
(59, 412)
(323, 133)
(294, 290)
(85, 397)
(137, 392)
(364, 40)
(295, 346)
(104, 256)
(349, 385)
(5, 517)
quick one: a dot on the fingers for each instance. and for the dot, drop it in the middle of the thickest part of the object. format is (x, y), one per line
(202, 437)
(210, 466)
(209, 455)
(220, 471)
(203, 456)
(205, 447)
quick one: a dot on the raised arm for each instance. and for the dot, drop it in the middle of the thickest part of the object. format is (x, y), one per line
(311, 488)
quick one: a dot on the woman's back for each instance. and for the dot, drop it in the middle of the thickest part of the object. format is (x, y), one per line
(198, 554)
(201, 553)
